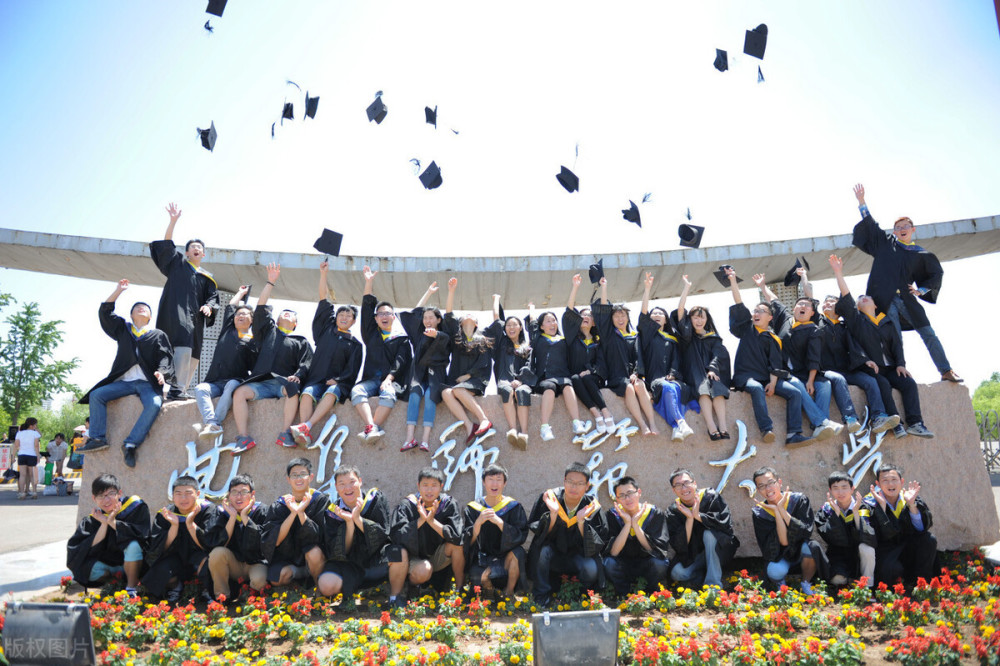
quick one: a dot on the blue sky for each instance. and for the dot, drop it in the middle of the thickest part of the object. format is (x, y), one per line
(104, 98)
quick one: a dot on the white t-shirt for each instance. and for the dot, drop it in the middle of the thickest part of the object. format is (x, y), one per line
(26, 442)
(58, 451)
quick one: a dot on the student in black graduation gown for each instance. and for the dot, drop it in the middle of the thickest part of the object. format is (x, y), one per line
(904, 546)
(839, 521)
(282, 364)
(586, 361)
(334, 367)
(232, 360)
(188, 302)
(569, 536)
(469, 371)
(637, 541)
(241, 554)
(495, 529)
(902, 272)
(512, 372)
(705, 362)
(293, 535)
(879, 340)
(111, 538)
(423, 325)
(759, 368)
(701, 532)
(783, 524)
(426, 536)
(183, 535)
(388, 360)
(143, 363)
(550, 366)
(355, 537)
(661, 361)
(623, 360)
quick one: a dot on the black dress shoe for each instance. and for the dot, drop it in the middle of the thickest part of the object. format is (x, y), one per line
(129, 452)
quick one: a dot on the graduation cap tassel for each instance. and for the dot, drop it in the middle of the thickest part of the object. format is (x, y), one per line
(760, 75)
(577, 154)
(647, 197)
(208, 26)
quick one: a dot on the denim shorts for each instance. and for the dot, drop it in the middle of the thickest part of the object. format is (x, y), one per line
(317, 391)
(269, 388)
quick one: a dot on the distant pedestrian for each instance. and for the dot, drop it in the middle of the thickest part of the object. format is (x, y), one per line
(27, 458)
(58, 450)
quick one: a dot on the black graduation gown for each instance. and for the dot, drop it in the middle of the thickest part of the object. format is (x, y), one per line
(622, 357)
(246, 543)
(337, 355)
(900, 550)
(421, 543)
(758, 355)
(838, 352)
(894, 266)
(653, 523)
(892, 527)
(132, 525)
(583, 355)
(565, 536)
(152, 351)
(843, 537)
(493, 544)
(368, 547)
(182, 557)
(715, 517)
(800, 343)
(880, 342)
(301, 537)
(187, 289)
(468, 357)
(549, 354)
(509, 363)
(279, 355)
(384, 354)
(234, 356)
(701, 353)
(430, 355)
(799, 529)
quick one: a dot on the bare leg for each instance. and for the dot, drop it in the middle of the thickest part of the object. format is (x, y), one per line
(365, 411)
(306, 404)
(427, 434)
(469, 402)
(241, 409)
(455, 407)
(548, 402)
(647, 406)
(808, 568)
(706, 410)
(523, 412)
(291, 406)
(510, 412)
(632, 405)
(572, 406)
(720, 411)
(315, 559)
(457, 564)
(513, 573)
(397, 573)
(381, 414)
(132, 570)
(409, 432)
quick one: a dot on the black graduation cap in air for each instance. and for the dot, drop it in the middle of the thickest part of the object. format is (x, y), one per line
(690, 235)
(689, 213)
(377, 110)
(596, 271)
(760, 75)
(721, 276)
(312, 104)
(721, 60)
(791, 278)
(208, 136)
(431, 116)
(756, 41)
(632, 214)
(568, 180)
(431, 177)
(216, 7)
(329, 242)
(288, 111)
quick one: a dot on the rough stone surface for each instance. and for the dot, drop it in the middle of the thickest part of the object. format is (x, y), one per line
(949, 467)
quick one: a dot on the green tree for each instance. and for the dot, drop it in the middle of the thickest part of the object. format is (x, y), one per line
(64, 420)
(28, 372)
(986, 398)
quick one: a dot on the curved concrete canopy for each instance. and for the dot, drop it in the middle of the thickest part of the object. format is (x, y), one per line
(542, 279)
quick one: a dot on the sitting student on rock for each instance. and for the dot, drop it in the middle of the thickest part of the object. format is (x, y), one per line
(495, 528)
(111, 538)
(512, 372)
(469, 371)
(426, 534)
(430, 367)
(242, 555)
(355, 537)
(701, 533)
(637, 541)
(904, 546)
(183, 535)
(783, 524)
(293, 535)
(570, 534)
(839, 521)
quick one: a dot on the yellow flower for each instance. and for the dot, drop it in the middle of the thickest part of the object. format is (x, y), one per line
(514, 659)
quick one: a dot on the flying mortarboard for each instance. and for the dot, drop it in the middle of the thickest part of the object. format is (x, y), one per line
(216, 7)
(329, 242)
(596, 271)
(288, 111)
(208, 26)
(568, 180)
(208, 137)
(632, 214)
(431, 177)
(377, 110)
(689, 213)
(721, 276)
(791, 277)
(721, 60)
(431, 115)
(756, 41)
(690, 235)
(312, 104)
(760, 75)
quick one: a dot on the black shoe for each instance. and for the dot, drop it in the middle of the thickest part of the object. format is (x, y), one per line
(129, 452)
(93, 444)
(206, 596)
(175, 394)
(174, 594)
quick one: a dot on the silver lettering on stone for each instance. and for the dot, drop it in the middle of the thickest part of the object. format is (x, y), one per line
(331, 438)
(472, 459)
(204, 467)
(864, 443)
(740, 453)
(608, 478)
(622, 430)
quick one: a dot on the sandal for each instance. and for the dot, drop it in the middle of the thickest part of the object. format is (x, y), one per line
(483, 430)
(424, 446)
(412, 444)
(715, 436)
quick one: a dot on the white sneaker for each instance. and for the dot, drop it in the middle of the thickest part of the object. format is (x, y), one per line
(609, 422)
(684, 429)
(512, 437)
(210, 432)
(837, 427)
(546, 431)
(823, 431)
(599, 425)
(579, 427)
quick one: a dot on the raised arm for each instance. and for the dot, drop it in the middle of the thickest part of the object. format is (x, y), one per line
(647, 287)
(175, 214)
(369, 280)
(450, 302)
(733, 286)
(122, 286)
(324, 269)
(604, 290)
(761, 281)
(681, 305)
(273, 271)
(431, 289)
(807, 287)
(238, 296)
(496, 307)
(571, 302)
(837, 264)
(859, 193)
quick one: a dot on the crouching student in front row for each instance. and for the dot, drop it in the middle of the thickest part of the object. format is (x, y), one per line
(241, 555)
(111, 538)
(637, 540)
(426, 535)
(355, 537)
(293, 534)
(570, 534)
(783, 523)
(701, 533)
(495, 528)
(839, 521)
(183, 535)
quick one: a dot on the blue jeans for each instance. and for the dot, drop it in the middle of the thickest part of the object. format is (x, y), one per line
(133, 553)
(203, 394)
(841, 394)
(623, 572)
(99, 399)
(817, 408)
(366, 389)
(318, 391)
(418, 391)
(705, 565)
(927, 334)
(873, 394)
(793, 414)
(777, 571)
(587, 569)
